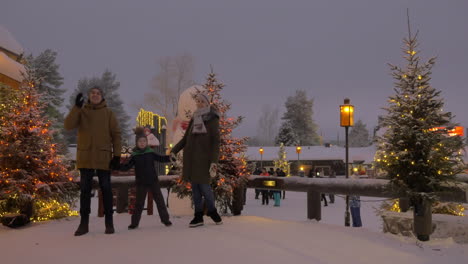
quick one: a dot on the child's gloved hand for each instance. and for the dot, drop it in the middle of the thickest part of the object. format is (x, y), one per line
(173, 158)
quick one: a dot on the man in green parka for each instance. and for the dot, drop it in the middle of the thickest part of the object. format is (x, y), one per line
(98, 151)
(201, 153)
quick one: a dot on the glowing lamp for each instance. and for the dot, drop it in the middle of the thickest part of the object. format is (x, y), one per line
(346, 114)
(298, 150)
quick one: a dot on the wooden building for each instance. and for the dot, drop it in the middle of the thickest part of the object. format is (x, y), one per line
(11, 60)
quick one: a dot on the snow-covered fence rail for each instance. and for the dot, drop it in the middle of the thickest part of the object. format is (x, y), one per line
(122, 184)
(363, 187)
(313, 186)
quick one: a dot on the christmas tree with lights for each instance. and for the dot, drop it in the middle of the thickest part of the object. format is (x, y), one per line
(34, 182)
(282, 161)
(232, 171)
(415, 151)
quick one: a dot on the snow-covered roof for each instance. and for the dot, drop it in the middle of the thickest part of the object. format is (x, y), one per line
(8, 42)
(11, 68)
(365, 154)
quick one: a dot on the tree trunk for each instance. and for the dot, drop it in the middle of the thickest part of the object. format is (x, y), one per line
(422, 219)
(238, 200)
(404, 204)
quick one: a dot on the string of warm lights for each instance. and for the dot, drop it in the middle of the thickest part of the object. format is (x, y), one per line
(29, 164)
(416, 151)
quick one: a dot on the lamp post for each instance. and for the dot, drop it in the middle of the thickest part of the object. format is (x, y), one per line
(298, 151)
(346, 120)
(261, 157)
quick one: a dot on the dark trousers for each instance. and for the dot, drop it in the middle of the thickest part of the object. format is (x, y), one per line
(324, 198)
(199, 191)
(141, 191)
(356, 216)
(86, 182)
(265, 196)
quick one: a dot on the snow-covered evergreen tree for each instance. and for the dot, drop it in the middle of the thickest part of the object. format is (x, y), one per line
(110, 86)
(299, 114)
(33, 179)
(49, 81)
(359, 135)
(287, 135)
(417, 159)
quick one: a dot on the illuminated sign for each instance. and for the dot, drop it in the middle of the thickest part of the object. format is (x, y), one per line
(146, 118)
(451, 131)
(269, 183)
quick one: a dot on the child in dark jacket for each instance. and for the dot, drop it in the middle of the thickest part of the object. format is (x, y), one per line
(146, 179)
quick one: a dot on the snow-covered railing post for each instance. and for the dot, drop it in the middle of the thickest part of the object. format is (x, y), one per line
(314, 205)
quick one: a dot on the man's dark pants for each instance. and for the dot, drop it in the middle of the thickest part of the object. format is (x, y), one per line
(86, 176)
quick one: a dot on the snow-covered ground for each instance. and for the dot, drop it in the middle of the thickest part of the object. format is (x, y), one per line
(263, 234)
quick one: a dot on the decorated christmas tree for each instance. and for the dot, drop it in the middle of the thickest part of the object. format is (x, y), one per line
(33, 180)
(282, 161)
(232, 171)
(415, 151)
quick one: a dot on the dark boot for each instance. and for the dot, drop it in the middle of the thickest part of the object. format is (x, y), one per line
(197, 220)
(167, 223)
(135, 220)
(215, 216)
(83, 227)
(109, 225)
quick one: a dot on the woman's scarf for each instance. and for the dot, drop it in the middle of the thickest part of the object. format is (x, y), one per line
(198, 124)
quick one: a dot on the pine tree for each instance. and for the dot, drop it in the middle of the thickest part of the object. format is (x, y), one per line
(109, 85)
(359, 135)
(287, 135)
(31, 172)
(282, 161)
(232, 170)
(299, 114)
(49, 81)
(417, 159)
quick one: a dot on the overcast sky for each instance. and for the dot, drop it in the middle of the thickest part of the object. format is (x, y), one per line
(263, 50)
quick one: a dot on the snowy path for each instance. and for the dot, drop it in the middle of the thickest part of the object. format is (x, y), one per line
(262, 235)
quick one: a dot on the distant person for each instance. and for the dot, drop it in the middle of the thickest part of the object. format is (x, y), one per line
(257, 191)
(265, 194)
(319, 174)
(271, 171)
(355, 207)
(276, 194)
(281, 173)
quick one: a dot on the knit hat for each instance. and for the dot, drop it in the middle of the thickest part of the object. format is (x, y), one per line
(97, 88)
(203, 96)
(139, 133)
